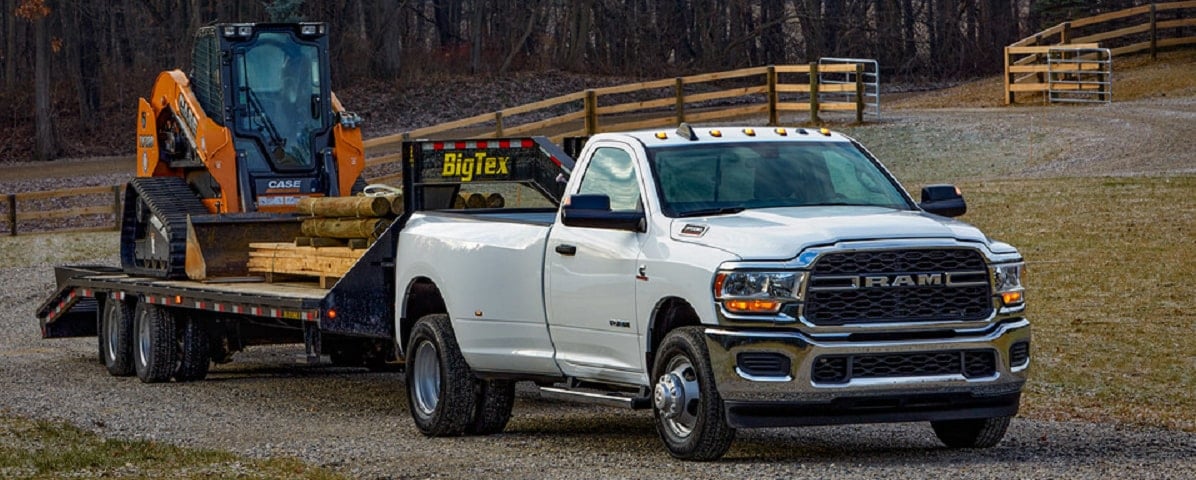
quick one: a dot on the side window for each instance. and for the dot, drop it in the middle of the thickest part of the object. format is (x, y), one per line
(611, 172)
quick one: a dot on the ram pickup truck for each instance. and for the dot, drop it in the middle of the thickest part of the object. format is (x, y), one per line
(726, 278)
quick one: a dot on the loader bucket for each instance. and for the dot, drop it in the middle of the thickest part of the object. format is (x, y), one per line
(218, 245)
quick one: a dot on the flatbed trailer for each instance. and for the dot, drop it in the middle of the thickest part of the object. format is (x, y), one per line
(353, 321)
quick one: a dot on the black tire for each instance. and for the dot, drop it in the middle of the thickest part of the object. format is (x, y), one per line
(689, 412)
(495, 400)
(116, 338)
(195, 352)
(440, 386)
(972, 433)
(156, 351)
(358, 186)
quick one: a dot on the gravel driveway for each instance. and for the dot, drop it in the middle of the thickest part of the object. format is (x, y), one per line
(266, 404)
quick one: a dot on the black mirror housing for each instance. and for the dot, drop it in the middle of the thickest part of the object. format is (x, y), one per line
(945, 200)
(593, 211)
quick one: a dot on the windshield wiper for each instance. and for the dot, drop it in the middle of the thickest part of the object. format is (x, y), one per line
(275, 139)
(705, 212)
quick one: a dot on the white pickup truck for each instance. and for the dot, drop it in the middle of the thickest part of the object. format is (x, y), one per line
(724, 277)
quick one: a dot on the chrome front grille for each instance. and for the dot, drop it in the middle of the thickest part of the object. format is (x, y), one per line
(916, 285)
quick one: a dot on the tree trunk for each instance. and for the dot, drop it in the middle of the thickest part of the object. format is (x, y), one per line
(46, 139)
(10, 47)
(87, 79)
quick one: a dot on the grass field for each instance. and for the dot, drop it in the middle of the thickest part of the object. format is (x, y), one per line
(1113, 309)
(36, 449)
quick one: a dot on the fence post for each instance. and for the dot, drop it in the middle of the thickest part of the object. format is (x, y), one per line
(1154, 33)
(1065, 34)
(1008, 91)
(12, 214)
(814, 93)
(679, 89)
(859, 93)
(498, 124)
(773, 118)
(591, 105)
(116, 210)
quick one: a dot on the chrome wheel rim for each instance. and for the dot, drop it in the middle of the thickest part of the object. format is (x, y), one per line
(111, 330)
(426, 382)
(143, 338)
(677, 397)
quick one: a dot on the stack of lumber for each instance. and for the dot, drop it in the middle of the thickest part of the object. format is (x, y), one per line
(334, 237)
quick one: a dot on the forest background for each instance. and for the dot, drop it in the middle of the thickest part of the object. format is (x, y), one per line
(72, 70)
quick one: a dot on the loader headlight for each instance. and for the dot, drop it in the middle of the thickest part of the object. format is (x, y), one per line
(1007, 283)
(757, 292)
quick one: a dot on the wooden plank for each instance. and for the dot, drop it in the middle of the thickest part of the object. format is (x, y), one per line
(836, 87)
(392, 179)
(1028, 87)
(1183, 22)
(728, 113)
(66, 192)
(73, 230)
(635, 87)
(837, 106)
(546, 123)
(667, 121)
(729, 93)
(1078, 67)
(793, 107)
(1120, 32)
(837, 68)
(793, 88)
(1047, 48)
(635, 106)
(542, 104)
(1033, 39)
(1137, 47)
(1175, 42)
(65, 213)
(1174, 5)
(793, 69)
(1073, 87)
(710, 77)
(1038, 68)
(1129, 12)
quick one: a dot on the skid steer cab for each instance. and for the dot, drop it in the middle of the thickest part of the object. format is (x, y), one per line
(251, 129)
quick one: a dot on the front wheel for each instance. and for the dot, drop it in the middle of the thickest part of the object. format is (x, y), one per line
(688, 409)
(973, 433)
(440, 387)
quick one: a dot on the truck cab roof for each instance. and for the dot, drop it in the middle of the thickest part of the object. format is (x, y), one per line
(687, 134)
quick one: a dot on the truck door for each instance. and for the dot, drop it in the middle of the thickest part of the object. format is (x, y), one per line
(591, 276)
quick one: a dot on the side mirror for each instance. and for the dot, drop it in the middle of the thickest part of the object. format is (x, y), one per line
(593, 211)
(945, 200)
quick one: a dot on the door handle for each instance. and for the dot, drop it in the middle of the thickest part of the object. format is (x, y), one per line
(566, 249)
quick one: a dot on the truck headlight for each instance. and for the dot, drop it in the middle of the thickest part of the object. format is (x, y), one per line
(757, 292)
(1007, 282)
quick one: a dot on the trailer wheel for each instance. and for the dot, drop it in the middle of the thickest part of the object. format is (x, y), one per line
(495, 400)
(440, 387)
(156, 352)
(686, 405)
(195, 352)
(116, 338)
(973, 433)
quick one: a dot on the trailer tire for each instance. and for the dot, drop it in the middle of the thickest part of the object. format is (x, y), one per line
(971, 433)
(440, 386)
(495, 400)
(116, 338)
(687, 407)
(195, 352)
(156, 351)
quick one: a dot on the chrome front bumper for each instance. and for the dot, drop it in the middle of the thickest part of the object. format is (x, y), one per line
(795, 398)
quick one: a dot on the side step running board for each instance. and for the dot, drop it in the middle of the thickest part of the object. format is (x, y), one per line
(609, 399)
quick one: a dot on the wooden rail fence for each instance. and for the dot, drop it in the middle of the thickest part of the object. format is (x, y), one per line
(771, 90)
(1144, 28)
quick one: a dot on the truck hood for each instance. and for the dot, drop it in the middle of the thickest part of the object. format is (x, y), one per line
(782, 233)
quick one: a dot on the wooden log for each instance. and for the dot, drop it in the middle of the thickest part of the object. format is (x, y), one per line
(495, 200)
(344, 206)
(343, 227)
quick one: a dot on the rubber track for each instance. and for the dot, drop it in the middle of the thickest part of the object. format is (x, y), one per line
(171, 200)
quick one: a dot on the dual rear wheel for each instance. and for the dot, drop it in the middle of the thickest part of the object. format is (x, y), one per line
(153, 342)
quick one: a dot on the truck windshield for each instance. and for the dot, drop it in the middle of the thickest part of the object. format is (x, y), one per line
(716, 179)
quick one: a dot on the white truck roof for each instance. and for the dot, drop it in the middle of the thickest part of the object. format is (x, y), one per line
(687, 135)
